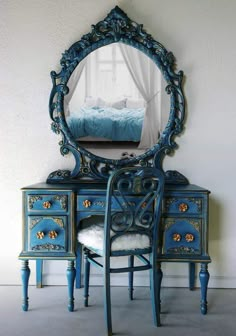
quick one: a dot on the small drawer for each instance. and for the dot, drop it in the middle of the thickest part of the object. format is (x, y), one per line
(181, 236)
(180, 205)
(47, 202)
(47, 233)
(91, 203)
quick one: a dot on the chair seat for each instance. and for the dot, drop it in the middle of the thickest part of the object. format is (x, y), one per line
(93, 237)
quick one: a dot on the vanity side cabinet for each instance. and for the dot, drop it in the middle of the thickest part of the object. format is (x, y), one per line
(48, 224)
(48, 232)
(184, 227)
(184, 233)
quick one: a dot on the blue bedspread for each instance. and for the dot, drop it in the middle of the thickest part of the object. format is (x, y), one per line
(113, 124)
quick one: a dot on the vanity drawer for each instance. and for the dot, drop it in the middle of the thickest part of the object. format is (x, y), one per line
(181, 236)
(47, 233)
(47, 202)
(182, 205)
(91, 203)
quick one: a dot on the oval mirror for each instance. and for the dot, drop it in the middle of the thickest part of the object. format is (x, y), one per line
(111, 93)
(116, 107)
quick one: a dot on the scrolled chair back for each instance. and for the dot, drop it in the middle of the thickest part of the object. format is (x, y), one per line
(136, 194)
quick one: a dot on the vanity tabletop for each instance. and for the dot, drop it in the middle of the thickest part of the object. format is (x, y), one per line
(91, 185)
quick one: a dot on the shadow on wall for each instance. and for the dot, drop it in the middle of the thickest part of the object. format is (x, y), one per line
(215, 232)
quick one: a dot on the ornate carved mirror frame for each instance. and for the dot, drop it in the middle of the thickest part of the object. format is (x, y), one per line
(116, 27)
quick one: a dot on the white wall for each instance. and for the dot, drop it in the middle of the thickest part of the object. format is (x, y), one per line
(33, 34)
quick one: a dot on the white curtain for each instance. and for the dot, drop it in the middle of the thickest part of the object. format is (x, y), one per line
(146, 76)
(72, 84)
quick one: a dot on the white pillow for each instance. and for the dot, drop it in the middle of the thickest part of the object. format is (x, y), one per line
(135, 103)
(91, 102)
(99, 102)
(119, 104)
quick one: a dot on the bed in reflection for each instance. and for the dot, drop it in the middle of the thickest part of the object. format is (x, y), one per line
(107, 123)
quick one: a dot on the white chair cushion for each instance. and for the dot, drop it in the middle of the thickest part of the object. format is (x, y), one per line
(93, 236)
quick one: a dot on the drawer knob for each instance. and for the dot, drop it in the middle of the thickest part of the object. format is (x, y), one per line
(189, 237)
(144, 204)
(52, 234)
(87, 203)
(183, 207)
(176, 237)
(47, 205)
(40, 235)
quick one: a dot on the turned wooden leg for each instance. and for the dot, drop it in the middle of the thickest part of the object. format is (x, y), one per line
(191, 275)
(78, 266)
(71, 272)
(25, 274)
(204, 278)
(86, 277)
(131, 277)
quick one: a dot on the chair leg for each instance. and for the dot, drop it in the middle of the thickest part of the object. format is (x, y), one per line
(107, 296)
(155, 279)
(86, 277)
(131, 277)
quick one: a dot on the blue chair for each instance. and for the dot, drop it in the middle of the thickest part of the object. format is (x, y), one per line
(131, 228)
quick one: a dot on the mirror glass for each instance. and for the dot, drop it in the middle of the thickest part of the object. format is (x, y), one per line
(116, 100)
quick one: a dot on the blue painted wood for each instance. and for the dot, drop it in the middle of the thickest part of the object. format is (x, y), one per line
(159, 281)
(39, 273)
(71, 280)
(131, 277)
(78, 281)
(86, 277)
(96, 192)
(204, 277)
(155, 293)
(116, 27)
(142, 217)
(25, 274)
(191, 275)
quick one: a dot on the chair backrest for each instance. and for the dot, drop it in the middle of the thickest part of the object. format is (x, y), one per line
(133, 204)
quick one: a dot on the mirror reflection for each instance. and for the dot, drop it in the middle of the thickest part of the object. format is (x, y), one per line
(115, 101)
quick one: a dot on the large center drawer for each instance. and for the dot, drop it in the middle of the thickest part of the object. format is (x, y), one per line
(93, 203)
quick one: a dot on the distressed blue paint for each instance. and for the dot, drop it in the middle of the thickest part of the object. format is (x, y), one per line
(204, 277)
(182, 227)
(25, 274)
(56, 215)
(86, 277)
(71, 280)
(116, 27)
(131, 276)
(191, 276)
(130, 218)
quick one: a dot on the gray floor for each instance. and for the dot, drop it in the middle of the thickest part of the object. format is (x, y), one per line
(48, 313)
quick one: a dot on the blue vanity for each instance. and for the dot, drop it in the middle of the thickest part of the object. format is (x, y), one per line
(53, 211)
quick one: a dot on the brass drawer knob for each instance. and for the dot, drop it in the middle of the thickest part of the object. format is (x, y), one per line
(47, 205)
(176, 237)
(40, 235)
(87, 203)
(52, 234)
(144, 204)
(189, 237)
(183, 207)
